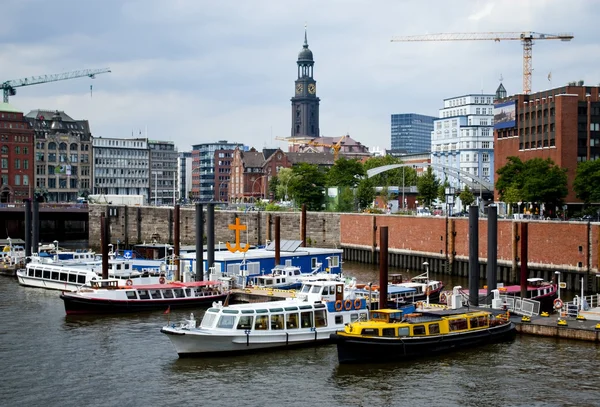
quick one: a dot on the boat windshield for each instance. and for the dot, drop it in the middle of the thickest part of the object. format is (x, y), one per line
(306, 288)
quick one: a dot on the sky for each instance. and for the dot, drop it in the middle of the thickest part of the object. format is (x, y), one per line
(196, 71)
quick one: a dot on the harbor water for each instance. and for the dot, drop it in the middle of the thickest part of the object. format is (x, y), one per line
(49, 359)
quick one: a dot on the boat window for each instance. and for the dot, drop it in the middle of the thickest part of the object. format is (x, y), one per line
(370, 331)
(306, 319)
(209, 318)
(291, 320)
(277, 321)
(72, 278)
(245, 322)
(261, 322)
(458, 324)
(434, 329)
(118, 266)
(131, 295)
(405, 331)
(30, 272)
(167, 293)
(419, 330)
(230, 311)
(305, 307)
(261, 311)
(316, 289)
(334, 261)
(55, 275)
(478, 322)
(81, 279)
(46, 274)
(317, 306)
(38, 273)
(339, 319)
(155, 294)
(306, 288)
(276, 310)
(388, 332)
(143, 294)
(178, 293)
(291, 308)
(63, 277)
(247, 311)
(226, 321)
(297, 272)
(188, 292)
(320, 318)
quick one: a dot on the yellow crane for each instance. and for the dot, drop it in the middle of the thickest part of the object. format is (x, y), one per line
(527, 38)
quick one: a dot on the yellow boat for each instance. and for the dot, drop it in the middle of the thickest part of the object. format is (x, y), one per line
(391, 335)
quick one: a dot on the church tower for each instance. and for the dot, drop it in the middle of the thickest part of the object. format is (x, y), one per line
(305, 103)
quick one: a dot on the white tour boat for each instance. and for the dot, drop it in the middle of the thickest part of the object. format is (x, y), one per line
(70, 277)
(321, 308)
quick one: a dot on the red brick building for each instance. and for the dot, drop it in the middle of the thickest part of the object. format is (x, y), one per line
(16, 156)
(562, 124)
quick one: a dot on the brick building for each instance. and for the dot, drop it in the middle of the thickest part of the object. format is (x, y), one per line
(16, 155)
(562, 124)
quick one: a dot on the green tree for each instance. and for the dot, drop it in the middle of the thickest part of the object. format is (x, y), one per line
(345, 173)
(427, 185)
(587, 181)
(442, 191)
(345, 200)
(510, 176)
(466, 197)
(308, 186)
(273, 187)
(285, 182)
(365, 193)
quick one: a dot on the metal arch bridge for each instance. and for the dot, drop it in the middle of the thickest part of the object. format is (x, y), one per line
(468, 179)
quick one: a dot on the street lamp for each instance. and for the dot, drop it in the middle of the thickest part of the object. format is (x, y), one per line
(449, 192)
(254, 182)
(558, 283)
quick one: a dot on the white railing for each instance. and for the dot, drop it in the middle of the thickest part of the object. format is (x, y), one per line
(572, 308)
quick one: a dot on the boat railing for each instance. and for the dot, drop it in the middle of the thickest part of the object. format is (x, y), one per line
(572, 308)
(521, 306)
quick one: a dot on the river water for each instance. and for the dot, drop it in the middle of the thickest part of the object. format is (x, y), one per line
(48, 359)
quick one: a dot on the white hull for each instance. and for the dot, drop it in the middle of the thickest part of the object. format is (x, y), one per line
(201, 341)
(48, 284)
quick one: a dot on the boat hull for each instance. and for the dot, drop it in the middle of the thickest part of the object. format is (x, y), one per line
(203, 343)
(381, 349)
(76, 305)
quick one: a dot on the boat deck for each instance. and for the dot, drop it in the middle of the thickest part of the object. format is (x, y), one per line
(255, 294)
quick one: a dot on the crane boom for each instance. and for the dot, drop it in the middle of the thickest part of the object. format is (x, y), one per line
(526, 37)
(8, 87)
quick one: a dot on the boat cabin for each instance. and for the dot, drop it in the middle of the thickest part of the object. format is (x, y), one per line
(281, 275)
(330, 291)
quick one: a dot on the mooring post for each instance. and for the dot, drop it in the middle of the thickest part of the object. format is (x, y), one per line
(474, 255)
(383, 267)
(176, 260)
(524, 259)
(492, 261)
(104, 244)
(277, 240)
(27, 229)
(303, 226)
(35, 238)
(199, 242)
(210, 235)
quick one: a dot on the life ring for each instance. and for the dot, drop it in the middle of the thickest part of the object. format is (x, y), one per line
(419, 304)
(428, 291)
(443, 298)
(338, 305)
(129, 282)
(558, 304)
(357, 303)
(348, 305)
(161, 280)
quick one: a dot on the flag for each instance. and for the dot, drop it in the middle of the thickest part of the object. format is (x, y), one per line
(168, 311)
(550, 76)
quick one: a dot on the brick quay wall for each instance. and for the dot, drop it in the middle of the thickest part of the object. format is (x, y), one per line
(569, 247)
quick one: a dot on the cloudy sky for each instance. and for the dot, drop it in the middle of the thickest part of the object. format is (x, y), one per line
(196, 71)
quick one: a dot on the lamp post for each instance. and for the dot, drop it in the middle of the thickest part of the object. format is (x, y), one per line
(449, 191)
(403, 205)
(558, 283)
(254, 182)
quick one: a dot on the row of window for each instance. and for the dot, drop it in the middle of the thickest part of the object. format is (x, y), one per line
(40, 145)
(62, 157)
(17, 164)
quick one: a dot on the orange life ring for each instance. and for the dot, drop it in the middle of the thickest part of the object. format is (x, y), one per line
(428, 291)
(558, 304)
(357, 303)
(129, 282)
(443, 297)
(348, 305)
(161, 280)
(338, 305)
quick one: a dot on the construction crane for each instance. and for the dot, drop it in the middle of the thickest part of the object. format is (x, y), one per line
(527, 38)
(8, 87)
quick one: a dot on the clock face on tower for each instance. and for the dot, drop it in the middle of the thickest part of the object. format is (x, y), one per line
(299, 88)
(312, 88)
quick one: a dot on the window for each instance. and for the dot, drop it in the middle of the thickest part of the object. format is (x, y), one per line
(434, 329)
(306, 319)
(245, 322)
(419, 330)
(485, 144)
(485, 157)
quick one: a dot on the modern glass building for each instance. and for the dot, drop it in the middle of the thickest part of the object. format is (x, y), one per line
(203, 168)
(412, 132)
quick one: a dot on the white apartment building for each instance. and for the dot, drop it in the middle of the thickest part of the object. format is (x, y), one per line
(121, 166)
(463, 138)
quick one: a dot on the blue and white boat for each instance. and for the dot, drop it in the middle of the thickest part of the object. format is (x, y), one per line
(242, 267)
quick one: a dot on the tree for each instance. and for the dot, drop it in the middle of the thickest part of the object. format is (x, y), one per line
(273, 187)
(442, 191)
(345, 173)
(587, 181)
(466, 197)
(365, 193)
(535, 180)
(427, 185)
(308, 186)
(345, 200)
(285, 181)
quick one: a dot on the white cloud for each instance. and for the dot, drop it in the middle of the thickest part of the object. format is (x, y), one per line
(199, 71)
